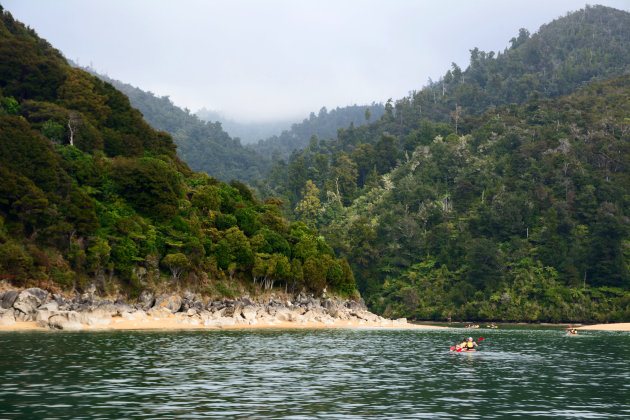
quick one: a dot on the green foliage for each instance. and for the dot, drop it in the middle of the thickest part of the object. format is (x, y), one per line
(54, 131)
(151, 185)
(90, 191)
(204, 146)
(9, 106)
(177, 263)
(15, 263)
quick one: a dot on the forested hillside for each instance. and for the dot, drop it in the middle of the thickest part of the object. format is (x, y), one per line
(204, 146)
(524, 218)
(324, 125)
(90, 193)
(568, 53)
(454, 194)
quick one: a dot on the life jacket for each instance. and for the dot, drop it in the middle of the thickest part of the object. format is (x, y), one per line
(470, 344)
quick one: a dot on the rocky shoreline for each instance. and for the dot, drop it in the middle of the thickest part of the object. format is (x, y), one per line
(53, 311)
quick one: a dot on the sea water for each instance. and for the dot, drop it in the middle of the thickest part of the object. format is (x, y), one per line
(303, 374)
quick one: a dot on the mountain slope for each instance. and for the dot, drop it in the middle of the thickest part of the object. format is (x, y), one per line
(91, 195)
(358, 154)
(204, 146)
(527, 217)
(439, 209)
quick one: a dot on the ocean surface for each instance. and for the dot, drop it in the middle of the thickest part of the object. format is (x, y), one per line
(304, 374)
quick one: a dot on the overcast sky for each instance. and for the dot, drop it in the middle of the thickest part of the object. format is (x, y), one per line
(264, 60)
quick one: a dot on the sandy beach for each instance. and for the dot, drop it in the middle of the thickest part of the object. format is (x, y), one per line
(179, 323)
(621, 326)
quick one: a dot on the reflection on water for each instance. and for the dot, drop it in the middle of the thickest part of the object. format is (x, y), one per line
(317, 373)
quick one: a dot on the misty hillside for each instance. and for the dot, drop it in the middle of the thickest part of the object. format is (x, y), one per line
(248, 133)
(324, 125)
(204, 146)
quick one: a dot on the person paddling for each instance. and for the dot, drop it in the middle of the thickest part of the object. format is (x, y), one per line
(470, 344)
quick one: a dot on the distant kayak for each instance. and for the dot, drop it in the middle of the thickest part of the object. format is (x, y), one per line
(462, 350)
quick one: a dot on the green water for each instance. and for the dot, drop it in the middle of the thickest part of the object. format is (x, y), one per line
(314, 374)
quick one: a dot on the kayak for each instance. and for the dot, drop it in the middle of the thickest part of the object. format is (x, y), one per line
(463, 350)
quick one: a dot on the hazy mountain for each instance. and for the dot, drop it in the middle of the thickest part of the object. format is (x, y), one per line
(247, 132)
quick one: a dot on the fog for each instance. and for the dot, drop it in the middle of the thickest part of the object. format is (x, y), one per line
(255, 60)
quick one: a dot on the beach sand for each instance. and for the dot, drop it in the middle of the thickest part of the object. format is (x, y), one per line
(621, 326)
(179, 323)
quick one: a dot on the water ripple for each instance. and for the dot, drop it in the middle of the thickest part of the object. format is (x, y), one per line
(297, 374)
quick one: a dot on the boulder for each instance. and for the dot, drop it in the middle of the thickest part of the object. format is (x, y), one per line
(159, 312)
(134, 316)
(146, 298)
(285, 314)
(173, 302)
(60, 299)
(8, 299)
(232, 311)
(22, 317)
(122, 308)
(49, 306)
(246, 301)
(42, 315)
(30, 299)
(249, 312)
(63, 321)
(7, 317)
(101, 315)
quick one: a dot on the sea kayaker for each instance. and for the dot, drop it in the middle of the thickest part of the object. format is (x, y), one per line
(470, 344)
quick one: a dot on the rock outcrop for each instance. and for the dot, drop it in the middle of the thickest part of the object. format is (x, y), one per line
(56, 312)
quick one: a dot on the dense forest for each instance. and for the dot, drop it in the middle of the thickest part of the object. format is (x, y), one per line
(204, 146)
(499, 192)
(458, 196)
(90, 193)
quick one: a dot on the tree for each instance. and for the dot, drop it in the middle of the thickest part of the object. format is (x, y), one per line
(177, 263)
(74, 121)
(53, 131)
(456, 115)
(386, 153)
(9, 106)
(308, 207)
(344, 178)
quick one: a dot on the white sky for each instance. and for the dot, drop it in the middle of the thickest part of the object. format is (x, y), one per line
(279, 59)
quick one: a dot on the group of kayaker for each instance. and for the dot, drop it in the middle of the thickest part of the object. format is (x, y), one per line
(473, 325)
(468, 344)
